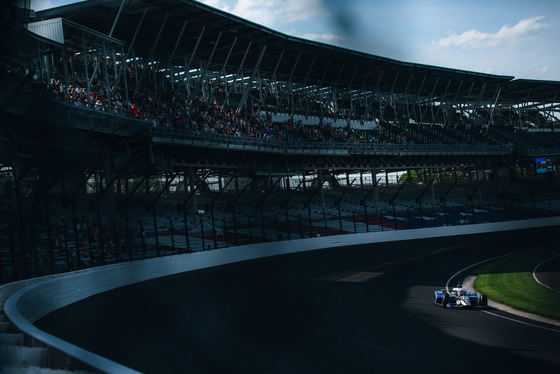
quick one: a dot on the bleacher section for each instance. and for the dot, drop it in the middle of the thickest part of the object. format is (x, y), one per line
(92, 239)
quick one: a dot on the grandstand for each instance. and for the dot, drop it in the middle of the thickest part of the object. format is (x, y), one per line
(139, 129)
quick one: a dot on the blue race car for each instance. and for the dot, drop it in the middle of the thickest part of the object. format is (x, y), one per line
(459, 297)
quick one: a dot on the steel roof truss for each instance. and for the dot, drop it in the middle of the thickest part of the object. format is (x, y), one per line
(334, 91)
(188, 64)
(249, 85)
(223, 71)
(273, 79)
(349, 91)
(239, 72)
(406, 98)
(151, 56)
(526, 104)
(493, 106)
(431, 101)
(376, 89)
(552, 106)
(172, 55)
(419, 120)
(84, 44)
(377, 85)
(443, 99)
(289, 83)
(366, 114)
(306, 87)
(204, 70)
(117, 18)
(382, 107)
(463, 104)
(320, 83)
(453, 105)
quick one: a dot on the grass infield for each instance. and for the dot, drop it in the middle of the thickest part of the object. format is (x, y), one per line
(509, 280)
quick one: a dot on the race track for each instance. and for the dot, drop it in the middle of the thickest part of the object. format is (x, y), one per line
(347, 310)
(547, 273)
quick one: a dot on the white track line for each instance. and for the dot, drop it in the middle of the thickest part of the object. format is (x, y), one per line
(524, 323)
(493, 314)
(535, 275)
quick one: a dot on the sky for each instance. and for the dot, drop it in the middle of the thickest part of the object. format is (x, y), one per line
(518, 38)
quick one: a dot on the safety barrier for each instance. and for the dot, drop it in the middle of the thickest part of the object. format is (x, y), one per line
(221, 141)
(32, 302)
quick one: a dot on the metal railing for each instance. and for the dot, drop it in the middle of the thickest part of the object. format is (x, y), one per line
(163, 135)
(26, 103)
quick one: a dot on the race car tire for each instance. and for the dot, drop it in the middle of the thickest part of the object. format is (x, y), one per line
(444, 300)
(438, 300)
(483, 301)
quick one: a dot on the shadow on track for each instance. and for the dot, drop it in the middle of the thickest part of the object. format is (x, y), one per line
(366, 308)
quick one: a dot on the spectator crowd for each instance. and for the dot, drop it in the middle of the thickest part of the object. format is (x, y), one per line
(182, 112)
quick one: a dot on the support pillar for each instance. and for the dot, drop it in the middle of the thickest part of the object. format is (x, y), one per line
(193, 185)
(322, 193)
(432, 190)
(376, 189)
(476, 173)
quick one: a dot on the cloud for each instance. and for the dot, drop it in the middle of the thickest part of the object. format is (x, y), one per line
(477, 39)
(41, 4)
(270, 12)
(327, 37)
(542, 70)
(215, 4)
(47, 4)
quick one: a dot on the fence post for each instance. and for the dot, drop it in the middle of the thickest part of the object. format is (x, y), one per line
(143, 238)
(172, 239)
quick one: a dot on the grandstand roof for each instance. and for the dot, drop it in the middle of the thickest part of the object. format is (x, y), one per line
(531, 91)
(225, 37)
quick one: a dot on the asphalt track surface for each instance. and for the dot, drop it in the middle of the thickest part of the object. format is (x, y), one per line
(548, 273)
(348, 310)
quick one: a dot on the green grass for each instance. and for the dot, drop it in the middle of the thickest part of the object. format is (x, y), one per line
(509, 280)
